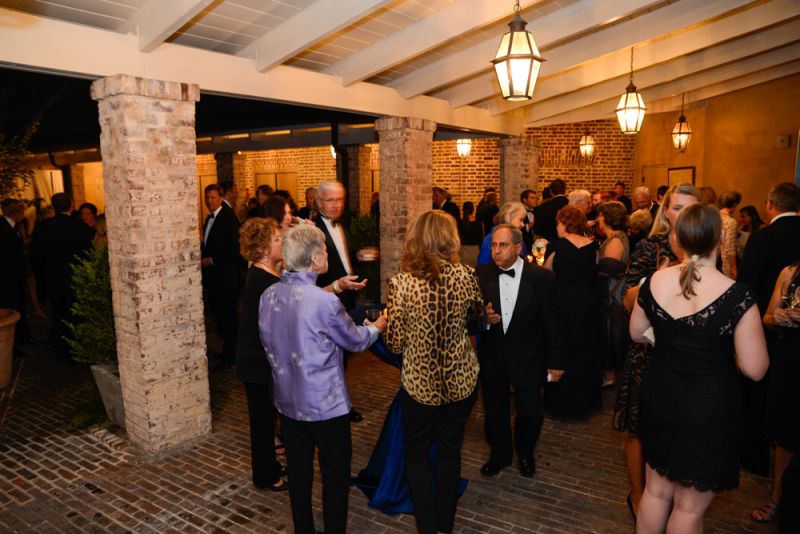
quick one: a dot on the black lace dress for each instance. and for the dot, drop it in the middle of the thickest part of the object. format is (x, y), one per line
(691, 415)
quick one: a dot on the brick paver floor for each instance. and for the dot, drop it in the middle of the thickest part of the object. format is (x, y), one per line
(56, 479)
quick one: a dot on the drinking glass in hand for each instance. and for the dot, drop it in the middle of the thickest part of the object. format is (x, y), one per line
(373, 314)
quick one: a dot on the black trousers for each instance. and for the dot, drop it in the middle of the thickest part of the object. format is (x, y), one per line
(332, 439)
(425, 425)
(222, 295)
(260, 407)
(497, 421)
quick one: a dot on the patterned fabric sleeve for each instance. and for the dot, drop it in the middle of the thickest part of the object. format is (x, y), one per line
(643, 262)
(395, 336)
(728, 247)
(748, 300)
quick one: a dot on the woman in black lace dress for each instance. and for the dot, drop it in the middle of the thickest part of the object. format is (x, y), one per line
(705, 326)
(650, 254)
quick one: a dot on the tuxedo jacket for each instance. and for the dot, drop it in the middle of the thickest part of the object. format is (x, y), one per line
(544, 223)
(767, 252)
(531, 345)
(336, 266)
(55, 243)
(450, 207)
(222, 246)
(12, 266)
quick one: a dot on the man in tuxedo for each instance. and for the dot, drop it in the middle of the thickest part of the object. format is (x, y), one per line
(221, 265)
(331, 204)
(529, 199)
(12, 266)
(767, 252)
(442, 202)
(55, 244)
(643, 200)
(545, 214)
(520, 348)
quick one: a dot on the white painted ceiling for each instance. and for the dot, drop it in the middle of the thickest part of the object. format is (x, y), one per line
(427, 58)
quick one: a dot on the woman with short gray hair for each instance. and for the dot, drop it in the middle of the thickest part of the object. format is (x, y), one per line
(305, 330)
(512, 213)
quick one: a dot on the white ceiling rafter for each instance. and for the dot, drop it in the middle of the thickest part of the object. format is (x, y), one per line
(573, 19)
(461, 17)
(156, 21)
(671, 18)
(306, 29)
(751, 23)
(670, 85)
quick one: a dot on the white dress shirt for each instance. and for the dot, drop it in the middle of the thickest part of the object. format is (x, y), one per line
(337, 234)
(509, 288)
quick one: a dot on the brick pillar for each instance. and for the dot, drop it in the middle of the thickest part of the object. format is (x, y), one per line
(519, 166)
(78, 185)
(358, 162)
(148, 144)
(406, 179)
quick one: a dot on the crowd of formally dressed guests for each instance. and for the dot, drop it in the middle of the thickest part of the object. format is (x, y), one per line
(540, 302)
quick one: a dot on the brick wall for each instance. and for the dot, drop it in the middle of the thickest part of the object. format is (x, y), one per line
(559, 156)
(465, 178)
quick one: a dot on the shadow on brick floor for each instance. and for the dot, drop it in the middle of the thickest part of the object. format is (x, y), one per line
(57, 479)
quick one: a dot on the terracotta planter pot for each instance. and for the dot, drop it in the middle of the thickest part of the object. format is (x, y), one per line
(8, 320)
(106, 376)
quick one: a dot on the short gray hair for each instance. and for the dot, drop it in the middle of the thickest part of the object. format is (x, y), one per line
(516, 233)
(507, 211)
(328, 184)
(299, 244)
(578, 195)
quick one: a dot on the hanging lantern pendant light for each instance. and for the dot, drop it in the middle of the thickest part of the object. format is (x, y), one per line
(464, 147)
(517, 61)
(681, 133)
(630, 110)
(586, 145)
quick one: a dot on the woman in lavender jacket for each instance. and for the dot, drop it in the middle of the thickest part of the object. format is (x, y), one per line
(304, 330)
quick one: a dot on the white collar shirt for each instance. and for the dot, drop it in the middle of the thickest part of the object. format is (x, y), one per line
(337, 234)
(782, 215)
(211, 223)
(509, 288)
(11, 222)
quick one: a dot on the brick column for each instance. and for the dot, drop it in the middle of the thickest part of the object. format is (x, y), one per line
(148, 144)
(406, 180)
(78, 185)
(519, 166)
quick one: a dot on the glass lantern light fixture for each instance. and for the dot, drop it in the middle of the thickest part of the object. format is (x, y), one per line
(630, 110)
(464, 147)
(586, 145)
(681, 133)
(517, 61)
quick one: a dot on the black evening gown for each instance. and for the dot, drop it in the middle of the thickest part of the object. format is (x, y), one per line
(691, 409)
(578, 391)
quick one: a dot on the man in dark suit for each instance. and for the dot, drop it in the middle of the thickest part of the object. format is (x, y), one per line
(619, 189)
(441, 201)
(767, 252)
(529, 199)
(55, 244)
(544, 224)
(642, 199)
(331, 204)
(519, 349)
(221, 266)
(12, 265)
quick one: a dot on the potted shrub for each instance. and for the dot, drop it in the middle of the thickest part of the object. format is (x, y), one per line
(92, 338)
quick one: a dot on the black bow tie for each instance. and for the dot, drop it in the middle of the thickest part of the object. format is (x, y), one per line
(509, 272)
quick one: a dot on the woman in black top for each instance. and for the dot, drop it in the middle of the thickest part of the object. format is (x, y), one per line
(260, 243)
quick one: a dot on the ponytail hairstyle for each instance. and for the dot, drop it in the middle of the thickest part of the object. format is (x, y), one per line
(698, 230)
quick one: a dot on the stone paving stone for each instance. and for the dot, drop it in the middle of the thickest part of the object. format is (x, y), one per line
(56, 479)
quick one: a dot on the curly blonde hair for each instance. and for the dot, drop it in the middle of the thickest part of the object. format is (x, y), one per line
(431, 238)
(255, 236)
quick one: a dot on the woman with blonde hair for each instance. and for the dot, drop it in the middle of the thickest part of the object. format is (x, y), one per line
(705, 330)
(428, 303)
(651, 254)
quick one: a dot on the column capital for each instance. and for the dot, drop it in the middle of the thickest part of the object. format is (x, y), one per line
(397, 123)
(124, 84)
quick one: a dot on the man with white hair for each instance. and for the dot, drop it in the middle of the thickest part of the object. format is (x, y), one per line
(581, 199)
(331, 204)
(643, 200)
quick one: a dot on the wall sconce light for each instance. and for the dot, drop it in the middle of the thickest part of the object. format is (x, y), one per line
(464, 147)
(681, 133)
(517, 61)
(630, 110)
(586, 145)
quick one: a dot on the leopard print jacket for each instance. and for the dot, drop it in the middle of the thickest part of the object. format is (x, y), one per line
(427, 324)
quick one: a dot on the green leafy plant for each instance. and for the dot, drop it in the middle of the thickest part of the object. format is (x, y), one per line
(92, 338)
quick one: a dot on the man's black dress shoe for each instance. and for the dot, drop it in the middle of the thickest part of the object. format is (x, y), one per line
(492, 468)
(355, 416)
(527, 467)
